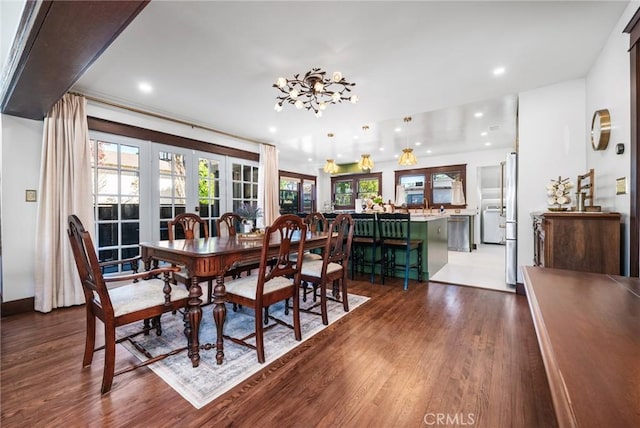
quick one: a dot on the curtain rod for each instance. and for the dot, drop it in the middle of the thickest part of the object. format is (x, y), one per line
(171, 119)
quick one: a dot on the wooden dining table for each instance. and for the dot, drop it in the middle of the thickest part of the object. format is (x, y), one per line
(206, 257)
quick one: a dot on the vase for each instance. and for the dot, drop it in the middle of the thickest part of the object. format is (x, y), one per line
(247, 226)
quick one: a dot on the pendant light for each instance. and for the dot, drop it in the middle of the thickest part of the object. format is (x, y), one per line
(365, 162)
(407, 158)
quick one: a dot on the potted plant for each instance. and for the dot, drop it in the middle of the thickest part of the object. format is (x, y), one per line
(249, 213)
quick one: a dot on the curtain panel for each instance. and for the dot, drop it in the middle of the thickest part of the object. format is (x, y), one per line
(268, 185)
(65, 188)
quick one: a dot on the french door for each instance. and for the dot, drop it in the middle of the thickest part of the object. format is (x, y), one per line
(188, 181)
(138, 186)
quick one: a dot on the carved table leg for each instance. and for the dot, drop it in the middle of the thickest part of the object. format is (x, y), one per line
(219, 315)
(195, 315)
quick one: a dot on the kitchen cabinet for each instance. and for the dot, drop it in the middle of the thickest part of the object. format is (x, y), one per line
(587, 242)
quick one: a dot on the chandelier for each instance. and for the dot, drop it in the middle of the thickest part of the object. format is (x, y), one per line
(407, 158)
(314, 91)
(330, 167)
(365, 162)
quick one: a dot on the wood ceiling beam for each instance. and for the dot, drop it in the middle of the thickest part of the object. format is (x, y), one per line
(55, 44)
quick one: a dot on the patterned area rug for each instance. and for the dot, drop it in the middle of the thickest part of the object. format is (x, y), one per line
(208, 381)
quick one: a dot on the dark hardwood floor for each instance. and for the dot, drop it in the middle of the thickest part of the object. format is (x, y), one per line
(436, 355)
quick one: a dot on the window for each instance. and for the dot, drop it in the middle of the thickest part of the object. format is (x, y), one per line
(348, 188)
(432, 186)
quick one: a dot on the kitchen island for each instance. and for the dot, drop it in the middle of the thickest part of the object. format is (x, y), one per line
(432, 230)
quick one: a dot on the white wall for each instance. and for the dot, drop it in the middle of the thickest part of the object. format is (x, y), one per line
(608, 87)
(21, 144)
(553, 142)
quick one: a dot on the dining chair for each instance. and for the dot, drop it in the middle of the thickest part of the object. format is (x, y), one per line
(190, 226)
(275, 282)
(124, 303)
(332, 268)
(229, 225)
(316, 222)
(395, 236)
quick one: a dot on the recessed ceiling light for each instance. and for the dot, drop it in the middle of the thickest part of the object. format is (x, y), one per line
(488, 143)
(355, 137)
(484, 134)
(339, 155)
(478, 114)
(398, 129)
(310, 159)
(382, 149)
(145, 87)
(498, 71)
(272, 129)
(429, 151)
(418, 143)
(395, 156)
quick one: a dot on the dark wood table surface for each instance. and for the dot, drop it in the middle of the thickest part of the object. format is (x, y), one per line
(588, 328)
(211, 257)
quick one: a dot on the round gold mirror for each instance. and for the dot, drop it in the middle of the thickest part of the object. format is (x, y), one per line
(600, 129)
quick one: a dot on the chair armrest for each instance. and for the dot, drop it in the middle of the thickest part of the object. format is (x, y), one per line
(146, 274)
(132, 260)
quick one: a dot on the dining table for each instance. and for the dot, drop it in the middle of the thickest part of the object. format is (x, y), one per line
(213, 256)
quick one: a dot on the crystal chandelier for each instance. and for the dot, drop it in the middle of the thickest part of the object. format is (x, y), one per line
(365, 162)
(407, 158)
(330, 167)
(314, 91)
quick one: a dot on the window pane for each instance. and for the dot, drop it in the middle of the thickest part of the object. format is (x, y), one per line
(107, 234)
(130, 210)
(130, 233)
(129, 157)
(130, 183)
(247, 191)
(204, 210)
(236, 171)
(237, 190)
(246, 173)
(107, 211)
(107, 182)
(107, 154)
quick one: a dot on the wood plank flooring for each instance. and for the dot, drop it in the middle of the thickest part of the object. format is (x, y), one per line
(436, 355)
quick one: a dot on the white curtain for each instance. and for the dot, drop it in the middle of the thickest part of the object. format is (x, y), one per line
(457, 194)
(65, 188)
(268, 185)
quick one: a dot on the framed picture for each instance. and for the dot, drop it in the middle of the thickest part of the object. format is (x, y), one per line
(30, 195)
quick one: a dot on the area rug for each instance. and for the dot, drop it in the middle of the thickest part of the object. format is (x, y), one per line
(208, 381)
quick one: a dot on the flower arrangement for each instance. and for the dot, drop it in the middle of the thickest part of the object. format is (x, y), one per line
(249, 212)
(377, 199)
(558, 192)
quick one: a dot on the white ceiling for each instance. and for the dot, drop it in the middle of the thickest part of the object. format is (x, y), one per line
(214, 63)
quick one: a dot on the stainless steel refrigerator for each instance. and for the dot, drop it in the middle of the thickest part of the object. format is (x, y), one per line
(510, 212)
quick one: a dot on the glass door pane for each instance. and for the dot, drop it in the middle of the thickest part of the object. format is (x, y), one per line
(172, 187)
(308, 196)
(116, 195)
(210, 200)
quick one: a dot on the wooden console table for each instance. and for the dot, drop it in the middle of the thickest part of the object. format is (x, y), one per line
(588, 328)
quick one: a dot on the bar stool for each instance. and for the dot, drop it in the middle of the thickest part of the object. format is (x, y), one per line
(395, 234)
(365, 244)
